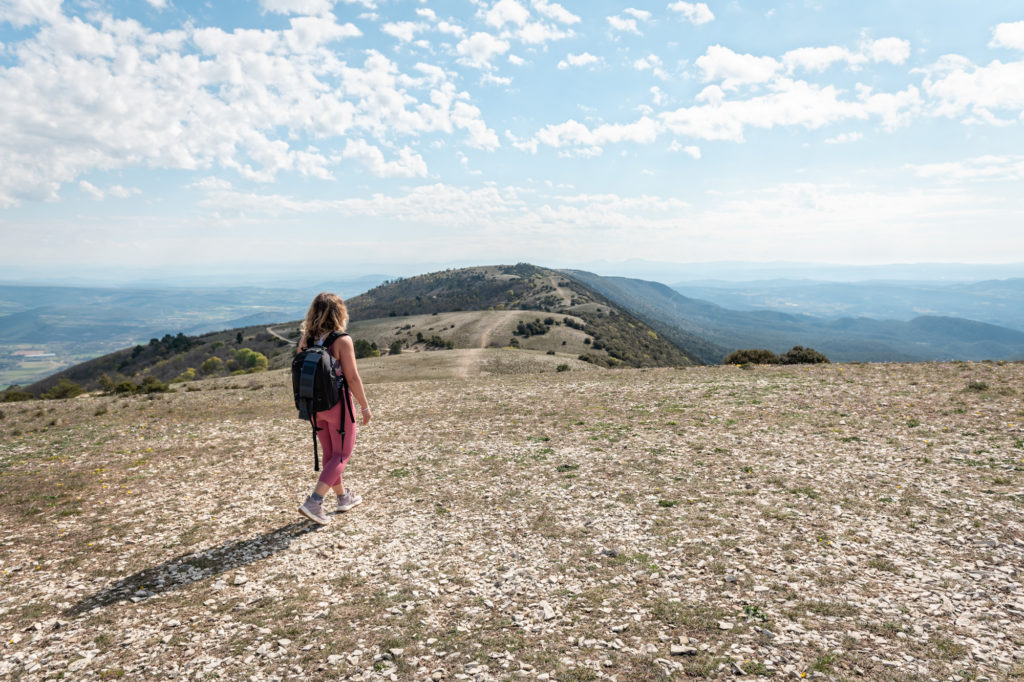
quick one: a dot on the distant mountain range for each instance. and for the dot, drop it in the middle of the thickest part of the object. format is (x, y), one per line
(999, 302)
(862, 339)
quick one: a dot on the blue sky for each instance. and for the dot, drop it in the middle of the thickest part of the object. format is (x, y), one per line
(372, 133)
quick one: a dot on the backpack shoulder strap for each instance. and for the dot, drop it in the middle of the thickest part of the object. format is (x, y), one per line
(332, 337)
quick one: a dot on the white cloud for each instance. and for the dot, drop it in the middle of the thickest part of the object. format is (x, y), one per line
(507, 12)
(516, 60)
(408, 165)
(624, 25)
(892, 50)
(957, 87)
(122, 192)
(91, 189)
(552, 10)
(426, 13)
(451, 29)
(845, 138)
(584, 59)
(480, 48)
(158, 4)
(791, 104)
(117, 191)
(734, 69)
(307, 7)
(658, 96)
(815, 58)
(22, 13)
(256, 102)
(691, 150)
(536, 33)
(573, 134)
(979, 169)
(651, 63)
(1010, 35)
(697, 13)
(403, 30)
(641, 14)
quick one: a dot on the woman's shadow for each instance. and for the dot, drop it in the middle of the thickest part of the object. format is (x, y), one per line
(186, 569)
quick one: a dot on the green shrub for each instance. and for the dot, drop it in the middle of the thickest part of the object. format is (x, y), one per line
(366, 349)
(211, 365)
(250, 361)
(798, 355)
(395, 348)
(106, 384)
(14, 395)
(188, 375)
(125, 388)
(63, 389)
(756, 356)
(151, 384)
(562, 368)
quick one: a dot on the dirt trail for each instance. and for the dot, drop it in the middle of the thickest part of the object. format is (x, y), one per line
(485, 336)
(272, 332)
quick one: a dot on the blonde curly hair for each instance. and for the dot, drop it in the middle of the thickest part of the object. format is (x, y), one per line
(327, 313)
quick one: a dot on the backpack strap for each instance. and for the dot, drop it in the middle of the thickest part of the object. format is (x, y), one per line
(312, 422)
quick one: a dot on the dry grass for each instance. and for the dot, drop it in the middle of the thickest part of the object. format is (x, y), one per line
(571, 524)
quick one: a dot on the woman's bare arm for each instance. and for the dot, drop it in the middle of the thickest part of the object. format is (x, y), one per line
(345, 353)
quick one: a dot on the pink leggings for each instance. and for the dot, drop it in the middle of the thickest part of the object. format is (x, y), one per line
(336, 449)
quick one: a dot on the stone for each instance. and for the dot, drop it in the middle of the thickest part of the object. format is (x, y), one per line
(682, 650)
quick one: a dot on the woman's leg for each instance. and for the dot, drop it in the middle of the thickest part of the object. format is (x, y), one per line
(337, 450)
(346, 452)
(330, 443)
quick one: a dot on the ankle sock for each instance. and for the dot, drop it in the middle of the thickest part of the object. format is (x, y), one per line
(316, 498)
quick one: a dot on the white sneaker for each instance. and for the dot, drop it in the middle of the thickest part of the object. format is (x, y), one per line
(348, 500)
(314, 511)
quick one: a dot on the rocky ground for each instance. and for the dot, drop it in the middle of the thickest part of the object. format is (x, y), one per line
(837, 521)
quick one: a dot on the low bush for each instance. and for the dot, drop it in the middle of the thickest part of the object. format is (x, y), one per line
(15, 395)
(755, 356)
(63, 389)
(798, 355)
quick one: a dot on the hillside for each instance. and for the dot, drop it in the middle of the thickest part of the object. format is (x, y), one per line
(847, 522)
(620, 339)
(520, 306)
(846, 339)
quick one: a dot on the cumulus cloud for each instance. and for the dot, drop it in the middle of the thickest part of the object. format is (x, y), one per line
(480, 48)
(1010, 35)
(892, 50)
(108, 93)
(584, 59)
(507, 12)
(651, 63)
(407, 165)
(734, 69)
(958, 87)
(641, 14)
(844, 138)
(989, 168)
(697, 13)
(625, 25)
(590, 142)
(552, 10)
(22, 13)
(309, 7)
(405, 31)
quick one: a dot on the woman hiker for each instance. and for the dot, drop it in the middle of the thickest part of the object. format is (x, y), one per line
(327, 313)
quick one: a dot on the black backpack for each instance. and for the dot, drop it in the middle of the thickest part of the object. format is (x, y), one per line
(317, 388)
